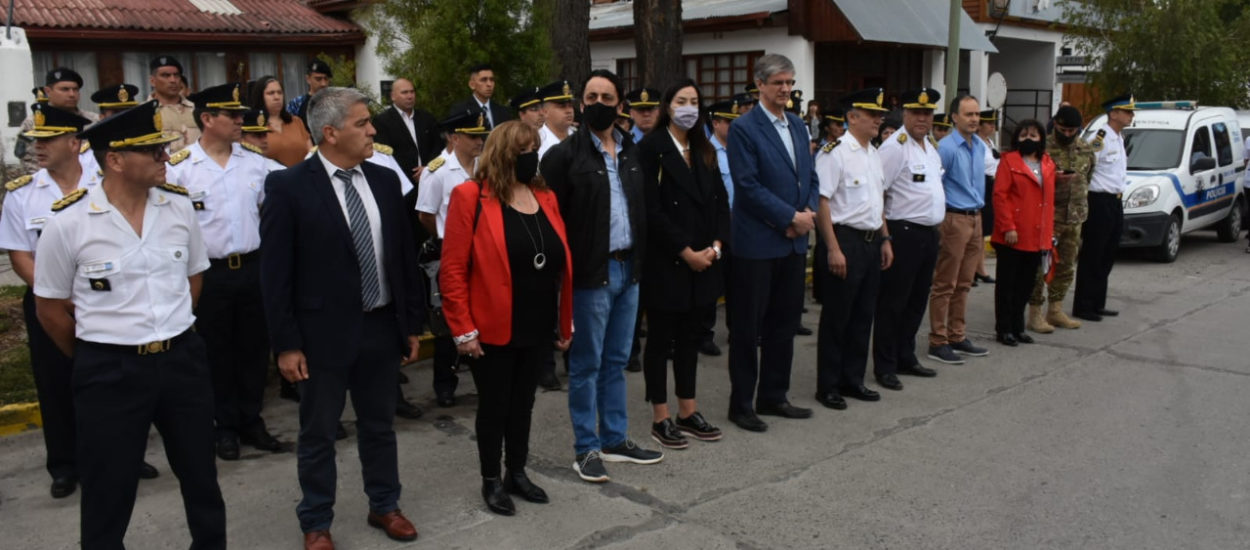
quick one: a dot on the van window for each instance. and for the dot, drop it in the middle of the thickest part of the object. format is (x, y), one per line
(1151, 149)
(1202, 145)
(1223, 145)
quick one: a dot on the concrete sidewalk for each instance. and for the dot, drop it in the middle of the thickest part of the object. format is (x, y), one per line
(1128, 433)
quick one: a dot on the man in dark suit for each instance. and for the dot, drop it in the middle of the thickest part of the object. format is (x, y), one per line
(775, 188)
(482, 82)
(411, 132)
(344, 305)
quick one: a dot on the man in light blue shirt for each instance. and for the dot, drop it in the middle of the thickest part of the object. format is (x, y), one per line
(960, 249)
(721, 114)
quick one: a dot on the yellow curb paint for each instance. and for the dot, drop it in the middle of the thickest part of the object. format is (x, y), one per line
(19, 417)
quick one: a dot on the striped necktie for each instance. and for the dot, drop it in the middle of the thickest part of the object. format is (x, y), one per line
(362, 237)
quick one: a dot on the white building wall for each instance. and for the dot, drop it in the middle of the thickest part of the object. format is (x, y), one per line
(1026, 58)
(370, 71)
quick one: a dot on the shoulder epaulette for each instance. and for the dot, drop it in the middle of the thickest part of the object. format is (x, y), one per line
(1097, 143)
(434, 164)
(829, 146)
(175, 189)
(933, 141)
(180, 156)
(313, 150)
(902, 137)
(86, 146)
(18, 183)
(384, 149)
(249, 147)
(73, 197)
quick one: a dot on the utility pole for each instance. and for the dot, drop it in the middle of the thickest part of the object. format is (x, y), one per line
(952, 53)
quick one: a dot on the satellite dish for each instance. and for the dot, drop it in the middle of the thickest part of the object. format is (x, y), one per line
(996, 91)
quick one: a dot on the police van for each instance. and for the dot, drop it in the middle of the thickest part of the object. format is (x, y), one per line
(1186, 165)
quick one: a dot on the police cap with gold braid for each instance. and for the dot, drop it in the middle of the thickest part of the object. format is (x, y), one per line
(40, 97)
(139, 126)
(254, 121)
(745, 99)
(558, 91)
(121, 96)
(870, 99)
(942, 120)
(51, 122)
(526, 99)
(836, 115)
(1124, 102)
(224, 97)
(923, 99)
(727, 110)
(643, 98)
(471, 122)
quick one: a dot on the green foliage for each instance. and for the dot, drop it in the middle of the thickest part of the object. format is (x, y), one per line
(344, 70)
(434, 42)
(1165, 49)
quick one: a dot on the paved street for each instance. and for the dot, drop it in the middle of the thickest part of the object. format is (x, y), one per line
(1130, 433)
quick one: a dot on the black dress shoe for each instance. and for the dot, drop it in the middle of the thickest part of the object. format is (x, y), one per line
(1024, 338)
(917, 370)
(1007, 340)
(803, 331)
(890, 382)
(496, 499)
(860, 392)
(445, 399)
(260, 438)
(228, 447)
(831, 400)
(709, 348)
(983, 278)
(549, 382)
(1087, 315)
(64, 486)
(406, 409)
(517, 483)
(1106, 312)
(148, 471)
(748, 421)
(783, 409)
(340, 433)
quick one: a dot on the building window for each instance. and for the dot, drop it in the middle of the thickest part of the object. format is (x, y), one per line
(84, 63)
(719, 75)
(627, 69)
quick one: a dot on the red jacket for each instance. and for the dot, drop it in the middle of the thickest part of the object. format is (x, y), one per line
(1024, 205)
(481, 299)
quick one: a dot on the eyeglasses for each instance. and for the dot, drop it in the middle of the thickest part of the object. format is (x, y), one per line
(158, 152)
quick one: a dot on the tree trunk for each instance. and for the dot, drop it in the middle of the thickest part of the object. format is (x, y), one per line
(657, 39)
(570, 28)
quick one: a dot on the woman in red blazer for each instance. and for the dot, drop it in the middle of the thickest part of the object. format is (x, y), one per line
(507, 288)
(1024, 218)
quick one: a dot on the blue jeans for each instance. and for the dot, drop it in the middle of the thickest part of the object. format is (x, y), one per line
(604, 320)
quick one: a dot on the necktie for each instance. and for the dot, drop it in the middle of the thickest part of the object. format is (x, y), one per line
(362, 237)
(490, 121)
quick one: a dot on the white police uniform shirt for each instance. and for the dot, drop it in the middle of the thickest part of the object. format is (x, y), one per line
(913, 180)
(851, 178)
(1111, 162)
(991, 163)
(87, 160)
(226, 200)
(548, 139)
(387, 161)
(28, 209)
(127, 289)
(434, 197)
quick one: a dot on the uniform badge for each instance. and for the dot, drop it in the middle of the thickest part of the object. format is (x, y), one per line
(924, 98)
(919, 178)
(122, 95)
(100, 285)
(880, 98)
(645, 96)
(734, 109)
(198, 205)
(566, 89)
(156, 120)
(235, 94)
(40, 119)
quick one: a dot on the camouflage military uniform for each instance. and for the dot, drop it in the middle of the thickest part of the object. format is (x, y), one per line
(29, 164)
(1071, 209)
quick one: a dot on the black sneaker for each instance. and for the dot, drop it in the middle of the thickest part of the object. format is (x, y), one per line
(698, 427)
(945, 354)
(628, 451)
(965, 347)
(589, 467)
(666, 434)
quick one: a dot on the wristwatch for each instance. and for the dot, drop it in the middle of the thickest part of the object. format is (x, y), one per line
(888, 237)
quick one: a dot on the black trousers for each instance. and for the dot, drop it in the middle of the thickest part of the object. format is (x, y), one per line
(846, 313)
(987, 212)
(1100, 239)
(506, 378)
(684, 330)
(52, 371)
(903, 296)
(767, 303)
(372, 380)
(709, 317)
(230, 317)
(118, 394)
(820, 253)
(1017, 271)
(445, 378)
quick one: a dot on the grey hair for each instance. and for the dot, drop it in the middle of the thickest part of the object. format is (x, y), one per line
(771, 64)
(329, 108)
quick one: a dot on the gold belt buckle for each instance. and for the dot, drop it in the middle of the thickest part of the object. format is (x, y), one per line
(234, 261)
(153, 347)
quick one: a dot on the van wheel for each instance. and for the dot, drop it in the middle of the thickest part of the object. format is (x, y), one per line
(1170, 248)
(1230, 227)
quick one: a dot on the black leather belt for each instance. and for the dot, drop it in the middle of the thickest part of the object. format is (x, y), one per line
(235, 261)
(904, 224)
(150, 348)
(1106, 194)
(620, 255)
(964, 211)
(869, 235)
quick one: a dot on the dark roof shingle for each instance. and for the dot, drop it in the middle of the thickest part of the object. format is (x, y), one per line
(247, 17)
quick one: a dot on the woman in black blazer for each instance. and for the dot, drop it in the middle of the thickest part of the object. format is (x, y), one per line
(687, 226)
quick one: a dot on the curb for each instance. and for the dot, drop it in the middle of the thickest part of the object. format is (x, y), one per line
(19, 417)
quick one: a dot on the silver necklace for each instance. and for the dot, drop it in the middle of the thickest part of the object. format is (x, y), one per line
(540, 259)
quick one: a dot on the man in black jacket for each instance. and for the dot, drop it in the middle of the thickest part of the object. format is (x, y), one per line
(482, 82)
(599, 185)
(411, 132)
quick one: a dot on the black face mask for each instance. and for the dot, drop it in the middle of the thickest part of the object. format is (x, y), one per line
(526, 166)
(598, 116)
(1029, 147)
(1064, 139)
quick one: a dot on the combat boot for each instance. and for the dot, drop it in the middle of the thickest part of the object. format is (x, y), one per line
(1037, 321)
(1056, 317)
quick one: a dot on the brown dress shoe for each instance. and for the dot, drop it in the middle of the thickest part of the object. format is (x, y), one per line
(397, 526)
(318, 540)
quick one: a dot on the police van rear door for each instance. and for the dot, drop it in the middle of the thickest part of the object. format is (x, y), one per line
(1203, 175)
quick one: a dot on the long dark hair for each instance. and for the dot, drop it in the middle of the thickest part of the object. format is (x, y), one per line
(256, 98)
(1021, 128)
(700, 147)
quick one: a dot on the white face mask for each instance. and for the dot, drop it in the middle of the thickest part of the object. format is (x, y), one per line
(686, 116)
